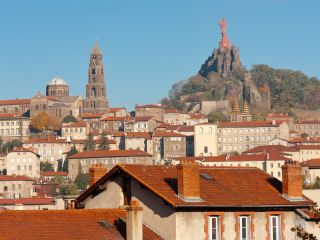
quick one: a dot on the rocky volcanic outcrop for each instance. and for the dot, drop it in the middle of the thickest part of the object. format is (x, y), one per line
(223, 61)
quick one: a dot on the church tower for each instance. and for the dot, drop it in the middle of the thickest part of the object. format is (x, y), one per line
(96, 100)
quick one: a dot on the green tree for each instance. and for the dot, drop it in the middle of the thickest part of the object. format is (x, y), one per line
(89, 145)
(59, 179)
(72, 151)
(216, 117)
(69, 189)
(104, 145)
(46, 167)
(82, 181)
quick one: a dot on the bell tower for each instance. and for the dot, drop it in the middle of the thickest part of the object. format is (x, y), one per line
(96, 100)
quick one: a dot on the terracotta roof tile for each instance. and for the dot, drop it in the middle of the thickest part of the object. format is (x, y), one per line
(110, 153)
(27, 201)
(15, 178)
(145, 135)
(66, 224)
(15, 102)
(114, 118)
(229, 186)
(268, 148)
(308, 122)
(142, 118)
(91, 115)
(11, 115)
(45, 140)
(167, 134)
(312, 163)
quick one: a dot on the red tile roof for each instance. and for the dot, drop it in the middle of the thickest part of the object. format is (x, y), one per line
(185, 128)
(23, 149)
(45, 140)
(249, 124)
(11, 115)
(91, 115)
(116, 109)
(15, 178)
(27, 201)
(142, 118)
(114, 118)
(312, 163)
(145, 135)
(110, 153)
(77, 124)
(70, 224)
(227, 187)
(117, 134)
(167, 134)
(15, 102)
(268, 148)
(53, 174)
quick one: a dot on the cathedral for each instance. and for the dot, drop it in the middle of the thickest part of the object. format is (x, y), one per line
(96, 100)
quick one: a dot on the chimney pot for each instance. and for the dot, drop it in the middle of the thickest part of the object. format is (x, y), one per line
(188, 180)
(134, 221)
(292, 180)
(96, 171)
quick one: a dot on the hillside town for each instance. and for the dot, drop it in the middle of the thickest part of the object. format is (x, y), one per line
(155, 172)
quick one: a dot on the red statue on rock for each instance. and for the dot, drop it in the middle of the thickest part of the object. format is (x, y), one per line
(224, 42)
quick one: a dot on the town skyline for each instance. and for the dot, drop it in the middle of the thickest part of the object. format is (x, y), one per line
(140, 55)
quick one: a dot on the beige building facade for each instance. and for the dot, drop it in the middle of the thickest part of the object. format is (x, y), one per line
(15, 186)
(23, 161)
(14, 127)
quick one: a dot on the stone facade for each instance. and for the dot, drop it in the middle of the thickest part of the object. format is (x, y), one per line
(22, 161)
(16, 186)
(96, 99)
(14, 126)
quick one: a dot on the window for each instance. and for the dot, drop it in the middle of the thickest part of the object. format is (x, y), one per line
(205, 149)
(214, 228)
(275, 231)
(244, 228)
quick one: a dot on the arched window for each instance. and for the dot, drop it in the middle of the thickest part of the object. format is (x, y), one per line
(5, 188)
(205, 149)
(201, 130)
(44, 107)
(4, 110)
(93, 71)
(210, 130)
(37, 107)
(16, 109)
(93, 92)
(70, 112)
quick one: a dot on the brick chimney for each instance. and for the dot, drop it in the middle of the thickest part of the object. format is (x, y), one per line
(134, 221)
(292, 180)
(96, 171)
(188, 180)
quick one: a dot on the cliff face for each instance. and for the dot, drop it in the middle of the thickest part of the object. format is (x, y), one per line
(223, 61)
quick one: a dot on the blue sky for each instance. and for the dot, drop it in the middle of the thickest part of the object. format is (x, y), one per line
(148, 45)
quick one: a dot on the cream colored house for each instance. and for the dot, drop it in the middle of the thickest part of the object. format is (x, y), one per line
(187, 201)
(50, 149)
(108, 158)
(139, 141)
(23, 161)
(14, 126)
(206, 140)
(77, 130)
(241, 136)
(16, 186)
(311, 170)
